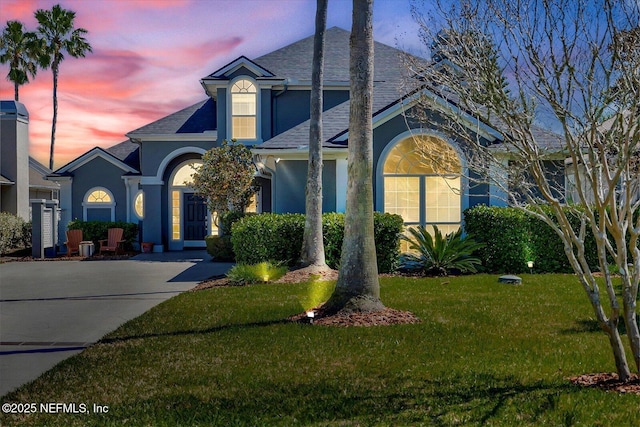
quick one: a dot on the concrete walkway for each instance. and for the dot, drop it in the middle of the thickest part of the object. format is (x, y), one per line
(51, 310)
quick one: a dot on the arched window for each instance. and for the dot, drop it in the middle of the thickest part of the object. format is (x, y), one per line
(422, 182)
(98, 205)
(138, 205)
(243, 110)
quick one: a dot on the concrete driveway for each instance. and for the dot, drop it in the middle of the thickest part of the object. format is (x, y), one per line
(50, 310)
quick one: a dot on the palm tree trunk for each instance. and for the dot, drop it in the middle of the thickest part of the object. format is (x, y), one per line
(312, 244)
(54, 68)
(15, 91)
(358, 288)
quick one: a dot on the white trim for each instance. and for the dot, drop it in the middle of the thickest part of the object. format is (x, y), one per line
(258, 115)
(157, 179)
(207, 136)
(98, 205)
(341, 185)
(238, 63)
(92, 155)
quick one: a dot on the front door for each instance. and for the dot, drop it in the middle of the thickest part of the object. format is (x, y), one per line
(195, 217)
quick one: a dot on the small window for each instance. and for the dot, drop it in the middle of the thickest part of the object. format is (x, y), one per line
(243, 110)
(138, 205)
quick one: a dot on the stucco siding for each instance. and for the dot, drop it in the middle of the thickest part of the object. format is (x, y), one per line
(99, 173)
(290, 183)
(154, 153)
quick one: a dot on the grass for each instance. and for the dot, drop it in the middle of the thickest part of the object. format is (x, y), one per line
(485, 353)
(256, 273)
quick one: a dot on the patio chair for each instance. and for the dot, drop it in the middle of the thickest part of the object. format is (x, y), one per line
(113, 241)
(74, 237)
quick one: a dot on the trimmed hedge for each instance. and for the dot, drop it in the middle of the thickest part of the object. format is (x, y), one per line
(278, 237)
(98, 230)
(511, 238)
(220, 247)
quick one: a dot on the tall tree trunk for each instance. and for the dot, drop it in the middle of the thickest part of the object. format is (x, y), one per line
(358, 288)
(15, 91)
(312, 243)
(54, 68)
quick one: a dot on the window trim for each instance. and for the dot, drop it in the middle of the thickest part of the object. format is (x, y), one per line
(230, 115)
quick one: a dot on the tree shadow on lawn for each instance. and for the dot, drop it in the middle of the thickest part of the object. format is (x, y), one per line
(459, 400)
(179, 333)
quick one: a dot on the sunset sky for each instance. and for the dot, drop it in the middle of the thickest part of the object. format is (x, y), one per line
(149, 56)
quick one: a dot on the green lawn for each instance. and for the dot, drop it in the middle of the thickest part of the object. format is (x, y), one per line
(484, 353)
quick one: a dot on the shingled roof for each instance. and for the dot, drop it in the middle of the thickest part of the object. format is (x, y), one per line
(197, 118)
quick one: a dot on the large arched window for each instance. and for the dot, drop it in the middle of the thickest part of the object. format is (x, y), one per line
(98, 205)
(422, 182)
(243, 110)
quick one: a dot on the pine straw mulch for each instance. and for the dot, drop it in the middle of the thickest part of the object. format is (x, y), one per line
(608, 382)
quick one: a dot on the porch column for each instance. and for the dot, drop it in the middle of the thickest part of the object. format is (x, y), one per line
(152, 222)
(341, 185)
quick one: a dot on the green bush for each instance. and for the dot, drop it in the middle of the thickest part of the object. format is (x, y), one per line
(98, 230)
(511, 238)
(220, 247)
(278, 237)
(14, 232)
(263, 272)
(268, 237)
(505, 235)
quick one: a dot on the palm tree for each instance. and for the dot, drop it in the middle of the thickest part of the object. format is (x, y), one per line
(358, 288)
(19, 49)
(56, 27)
(312, 243)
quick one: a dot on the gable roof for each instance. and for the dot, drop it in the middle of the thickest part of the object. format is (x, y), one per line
(238, 63)
(90, 155)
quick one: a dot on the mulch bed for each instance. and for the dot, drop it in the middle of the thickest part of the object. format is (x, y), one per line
(608, 382)
(387, 316)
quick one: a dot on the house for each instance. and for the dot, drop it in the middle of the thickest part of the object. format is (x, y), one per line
(264, 102)
(22, 178)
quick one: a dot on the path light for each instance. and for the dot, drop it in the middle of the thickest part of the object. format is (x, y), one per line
(530, 265)
(310, 316)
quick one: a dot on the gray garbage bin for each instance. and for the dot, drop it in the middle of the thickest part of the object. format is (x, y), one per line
(86, 249)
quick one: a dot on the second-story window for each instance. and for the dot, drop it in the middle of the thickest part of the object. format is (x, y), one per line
(243, 110)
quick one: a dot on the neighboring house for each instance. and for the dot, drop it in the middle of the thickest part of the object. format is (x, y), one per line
(264, 102)
(22, 178)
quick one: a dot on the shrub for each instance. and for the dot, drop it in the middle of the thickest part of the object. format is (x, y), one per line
(12, 232)
(268, 237)
(438, 255)
(512, 237)
(278, 237)
(98, 230)
(220, 247)
(504, 235)
(263, 272)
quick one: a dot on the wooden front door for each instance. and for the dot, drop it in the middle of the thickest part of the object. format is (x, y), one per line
(195, 217)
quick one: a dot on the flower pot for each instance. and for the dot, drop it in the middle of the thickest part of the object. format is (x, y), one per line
(147, 247)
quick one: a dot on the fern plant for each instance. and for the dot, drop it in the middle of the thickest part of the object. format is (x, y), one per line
(439, 255)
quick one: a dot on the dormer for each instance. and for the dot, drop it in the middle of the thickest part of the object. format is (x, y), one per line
(242, 90)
